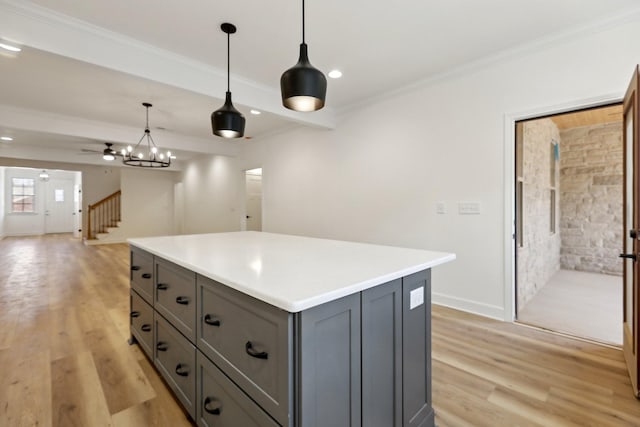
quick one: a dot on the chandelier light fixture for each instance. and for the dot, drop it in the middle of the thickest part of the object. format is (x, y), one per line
(303, 86)
(145, 154)
(228, 122)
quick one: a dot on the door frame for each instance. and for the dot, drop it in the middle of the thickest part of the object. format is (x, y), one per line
(510, 119)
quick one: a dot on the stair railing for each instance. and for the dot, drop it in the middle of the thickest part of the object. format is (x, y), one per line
(103, 214)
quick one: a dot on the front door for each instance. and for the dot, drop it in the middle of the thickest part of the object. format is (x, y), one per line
(631, 295)
(59, 212)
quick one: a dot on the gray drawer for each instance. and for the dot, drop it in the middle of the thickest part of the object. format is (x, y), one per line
(222, 404)
(142, 323)
(175, 358)
(142, 273)
(175, 296)
(249, 340)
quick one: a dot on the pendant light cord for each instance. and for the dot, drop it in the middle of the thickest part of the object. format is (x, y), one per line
(147, 127)
(228, 60)
(303, 22)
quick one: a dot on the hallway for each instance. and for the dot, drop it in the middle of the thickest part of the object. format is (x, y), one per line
(585, 305)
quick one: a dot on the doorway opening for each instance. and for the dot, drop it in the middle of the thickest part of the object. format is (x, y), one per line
(41, 201)
(569, 213)
(253, 199)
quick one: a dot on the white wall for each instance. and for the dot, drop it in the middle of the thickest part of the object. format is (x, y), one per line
(2, 202)
(27, 224)
(147, 202)
(97, 181)
(212, 193)
(378, 176)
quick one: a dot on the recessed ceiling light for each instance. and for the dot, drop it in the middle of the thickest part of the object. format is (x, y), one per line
(256, 112)
(6, 138)
(335, 74)
(9, 47)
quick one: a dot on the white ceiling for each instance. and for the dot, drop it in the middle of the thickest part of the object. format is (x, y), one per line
(87, 65)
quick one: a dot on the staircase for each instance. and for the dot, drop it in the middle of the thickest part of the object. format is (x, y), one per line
(104, 220)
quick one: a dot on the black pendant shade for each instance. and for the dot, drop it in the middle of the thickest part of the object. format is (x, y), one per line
(302, 86)
(226, 121)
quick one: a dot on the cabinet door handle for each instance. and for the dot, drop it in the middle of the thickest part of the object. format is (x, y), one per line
(146, 275)
(135, 314)
(135, 267)
(146, 327)
(210, 321)
(182, 370)
(209, 409)
(182, 300)
(253, 353)
(162, 346)
(162, 287)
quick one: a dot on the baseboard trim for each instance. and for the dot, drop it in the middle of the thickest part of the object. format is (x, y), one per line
(481, 309)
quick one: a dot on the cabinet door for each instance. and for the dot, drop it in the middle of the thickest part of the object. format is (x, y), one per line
(175, 358)
(382, 355)
(142, 323)
(416, 350)
(175, 296)
(328, 343)
(142, 273)
(222, 404)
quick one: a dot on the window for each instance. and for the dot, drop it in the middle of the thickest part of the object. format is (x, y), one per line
(520, 184)
(23, 192)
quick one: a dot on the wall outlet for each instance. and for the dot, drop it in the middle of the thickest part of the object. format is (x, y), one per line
(441, 208)
(469, 208)
(416, 298)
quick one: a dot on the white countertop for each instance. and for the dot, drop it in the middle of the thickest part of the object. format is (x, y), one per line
(290, 272)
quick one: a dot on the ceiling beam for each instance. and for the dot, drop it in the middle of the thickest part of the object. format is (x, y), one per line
(44, 29)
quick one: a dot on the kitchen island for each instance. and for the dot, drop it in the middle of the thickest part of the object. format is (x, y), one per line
(262, 329)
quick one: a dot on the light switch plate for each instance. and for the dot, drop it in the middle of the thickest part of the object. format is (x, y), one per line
(469, 208)
(416, 298)
(441, 208)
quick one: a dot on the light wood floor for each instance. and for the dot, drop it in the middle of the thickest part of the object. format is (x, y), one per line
(65, 361)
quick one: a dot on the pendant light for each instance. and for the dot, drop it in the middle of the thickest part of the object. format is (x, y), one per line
(228, 122)
(303, 87)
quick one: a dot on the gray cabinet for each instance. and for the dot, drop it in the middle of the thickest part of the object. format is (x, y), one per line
(142, 273)
(381, 352)
(328, 344)
(175, 358)
(363, 360)
(222, 403)
(250, 341)
(142, 323)
(416, 351)
(175, 296)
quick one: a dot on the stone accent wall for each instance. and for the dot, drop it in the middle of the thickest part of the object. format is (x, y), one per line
(539, 257)
(591, 197)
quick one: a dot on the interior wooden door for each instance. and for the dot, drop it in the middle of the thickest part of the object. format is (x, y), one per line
(631, 296)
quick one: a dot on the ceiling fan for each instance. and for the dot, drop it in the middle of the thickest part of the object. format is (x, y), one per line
(108, 153)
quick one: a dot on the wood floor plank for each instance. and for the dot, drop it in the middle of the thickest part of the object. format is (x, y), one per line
(25, 389)
(77, 394)
(123, 382)
(160, 411)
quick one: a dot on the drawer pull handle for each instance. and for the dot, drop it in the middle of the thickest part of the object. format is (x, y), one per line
(135, 314)
(146, 327)
(146, 275)
(162, 346)
(253, 353)
(209, 409)
(182, 370)
(209, 321)
(135, 267)
(162, 287)
(182, 300)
